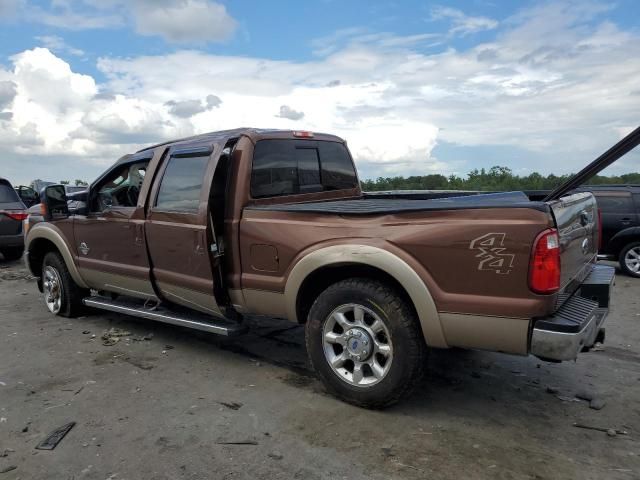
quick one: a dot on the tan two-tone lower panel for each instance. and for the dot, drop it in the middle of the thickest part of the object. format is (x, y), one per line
(122, 284)
(203, 302)
(498, 334)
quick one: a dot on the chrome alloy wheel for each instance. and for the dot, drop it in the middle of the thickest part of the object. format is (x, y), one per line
(52, 287)
(632, 259)
(357, 345)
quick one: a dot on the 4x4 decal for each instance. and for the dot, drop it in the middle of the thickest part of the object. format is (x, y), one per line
(491, 252)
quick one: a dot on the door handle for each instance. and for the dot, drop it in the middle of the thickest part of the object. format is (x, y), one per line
(139, 229)
(200, 241)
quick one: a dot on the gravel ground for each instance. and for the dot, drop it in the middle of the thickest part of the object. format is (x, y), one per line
(168, 403)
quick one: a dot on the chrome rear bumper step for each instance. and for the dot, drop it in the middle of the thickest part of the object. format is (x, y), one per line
(190, 320)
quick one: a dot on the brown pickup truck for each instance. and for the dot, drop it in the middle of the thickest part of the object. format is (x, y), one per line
(202, 231)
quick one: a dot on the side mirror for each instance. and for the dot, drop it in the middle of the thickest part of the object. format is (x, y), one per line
(54, 198)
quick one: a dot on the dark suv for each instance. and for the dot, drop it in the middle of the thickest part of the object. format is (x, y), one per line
(12, 214)
(620, 207)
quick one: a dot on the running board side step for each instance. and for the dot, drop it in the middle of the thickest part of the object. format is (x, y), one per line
(193, 320)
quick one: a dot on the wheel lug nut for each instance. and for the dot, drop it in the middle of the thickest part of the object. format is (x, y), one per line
(364, 353)
(358, 358)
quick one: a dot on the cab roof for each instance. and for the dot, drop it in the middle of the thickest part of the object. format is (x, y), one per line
(254, 134)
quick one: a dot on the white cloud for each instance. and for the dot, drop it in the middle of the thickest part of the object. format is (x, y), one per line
(57, 44)
(8, 91)
(561, 97)
(287, 112)
(62, 15)
(462, 24)
(184, 20)
(9, 8)
(177, 21)
(189, 108)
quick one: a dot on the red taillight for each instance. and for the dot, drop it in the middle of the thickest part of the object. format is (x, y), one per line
(544, 269)
(15, 214)
(599, 230)
(303, 134)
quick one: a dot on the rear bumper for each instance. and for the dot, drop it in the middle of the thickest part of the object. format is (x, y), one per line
(11, 240)
(578, 323)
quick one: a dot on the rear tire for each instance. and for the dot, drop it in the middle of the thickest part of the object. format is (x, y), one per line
(12, 253)
(630, 259)
(62, 295)
(364, 341)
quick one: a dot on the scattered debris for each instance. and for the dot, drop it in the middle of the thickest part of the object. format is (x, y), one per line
(6, 452)
(276, 456)
(585, 395)
(55, 437)
(86, 332)
(231, 405)
(143, 338)
(611, 432)
(597, 403)
(552, 390)
(25, 429)
(386, 451)
(241, 442)
(567, 399)
(169, 347)
(598, 347)
(113, 336)
(600, 429)
(8, 469)
(79, 390)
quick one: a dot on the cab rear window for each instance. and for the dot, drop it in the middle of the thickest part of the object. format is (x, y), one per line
(288, 167)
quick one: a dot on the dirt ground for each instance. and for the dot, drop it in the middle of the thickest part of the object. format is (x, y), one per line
(161, 403)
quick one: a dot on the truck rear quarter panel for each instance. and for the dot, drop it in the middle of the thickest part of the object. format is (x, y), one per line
(474, 262)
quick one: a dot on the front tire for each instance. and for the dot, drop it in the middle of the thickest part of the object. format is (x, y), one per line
(630, 259)
(62, 295)
(364, 341)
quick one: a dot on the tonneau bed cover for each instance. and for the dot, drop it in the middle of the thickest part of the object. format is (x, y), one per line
(377, 206)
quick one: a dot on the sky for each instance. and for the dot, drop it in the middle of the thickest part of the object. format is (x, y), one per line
(415, 87)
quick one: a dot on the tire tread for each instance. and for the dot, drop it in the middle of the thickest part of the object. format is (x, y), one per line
(408, 321)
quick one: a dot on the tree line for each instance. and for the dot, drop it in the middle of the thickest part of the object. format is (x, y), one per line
(495, 179)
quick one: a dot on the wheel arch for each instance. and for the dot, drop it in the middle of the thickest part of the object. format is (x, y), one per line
(623, 238)
(325, 266)
(44, 238)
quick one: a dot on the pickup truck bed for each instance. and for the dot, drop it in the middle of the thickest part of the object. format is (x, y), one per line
(382, 206)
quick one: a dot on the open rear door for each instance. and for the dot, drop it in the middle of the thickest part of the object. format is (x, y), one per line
(178, 228)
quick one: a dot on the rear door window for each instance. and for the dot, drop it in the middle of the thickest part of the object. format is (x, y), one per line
(287, 167)
(614, 202)
(7, 193)
(181, 184)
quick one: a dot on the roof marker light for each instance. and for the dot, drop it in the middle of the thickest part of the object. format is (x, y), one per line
(303, 134)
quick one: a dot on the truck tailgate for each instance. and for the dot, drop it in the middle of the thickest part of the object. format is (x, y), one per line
(576, 218)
